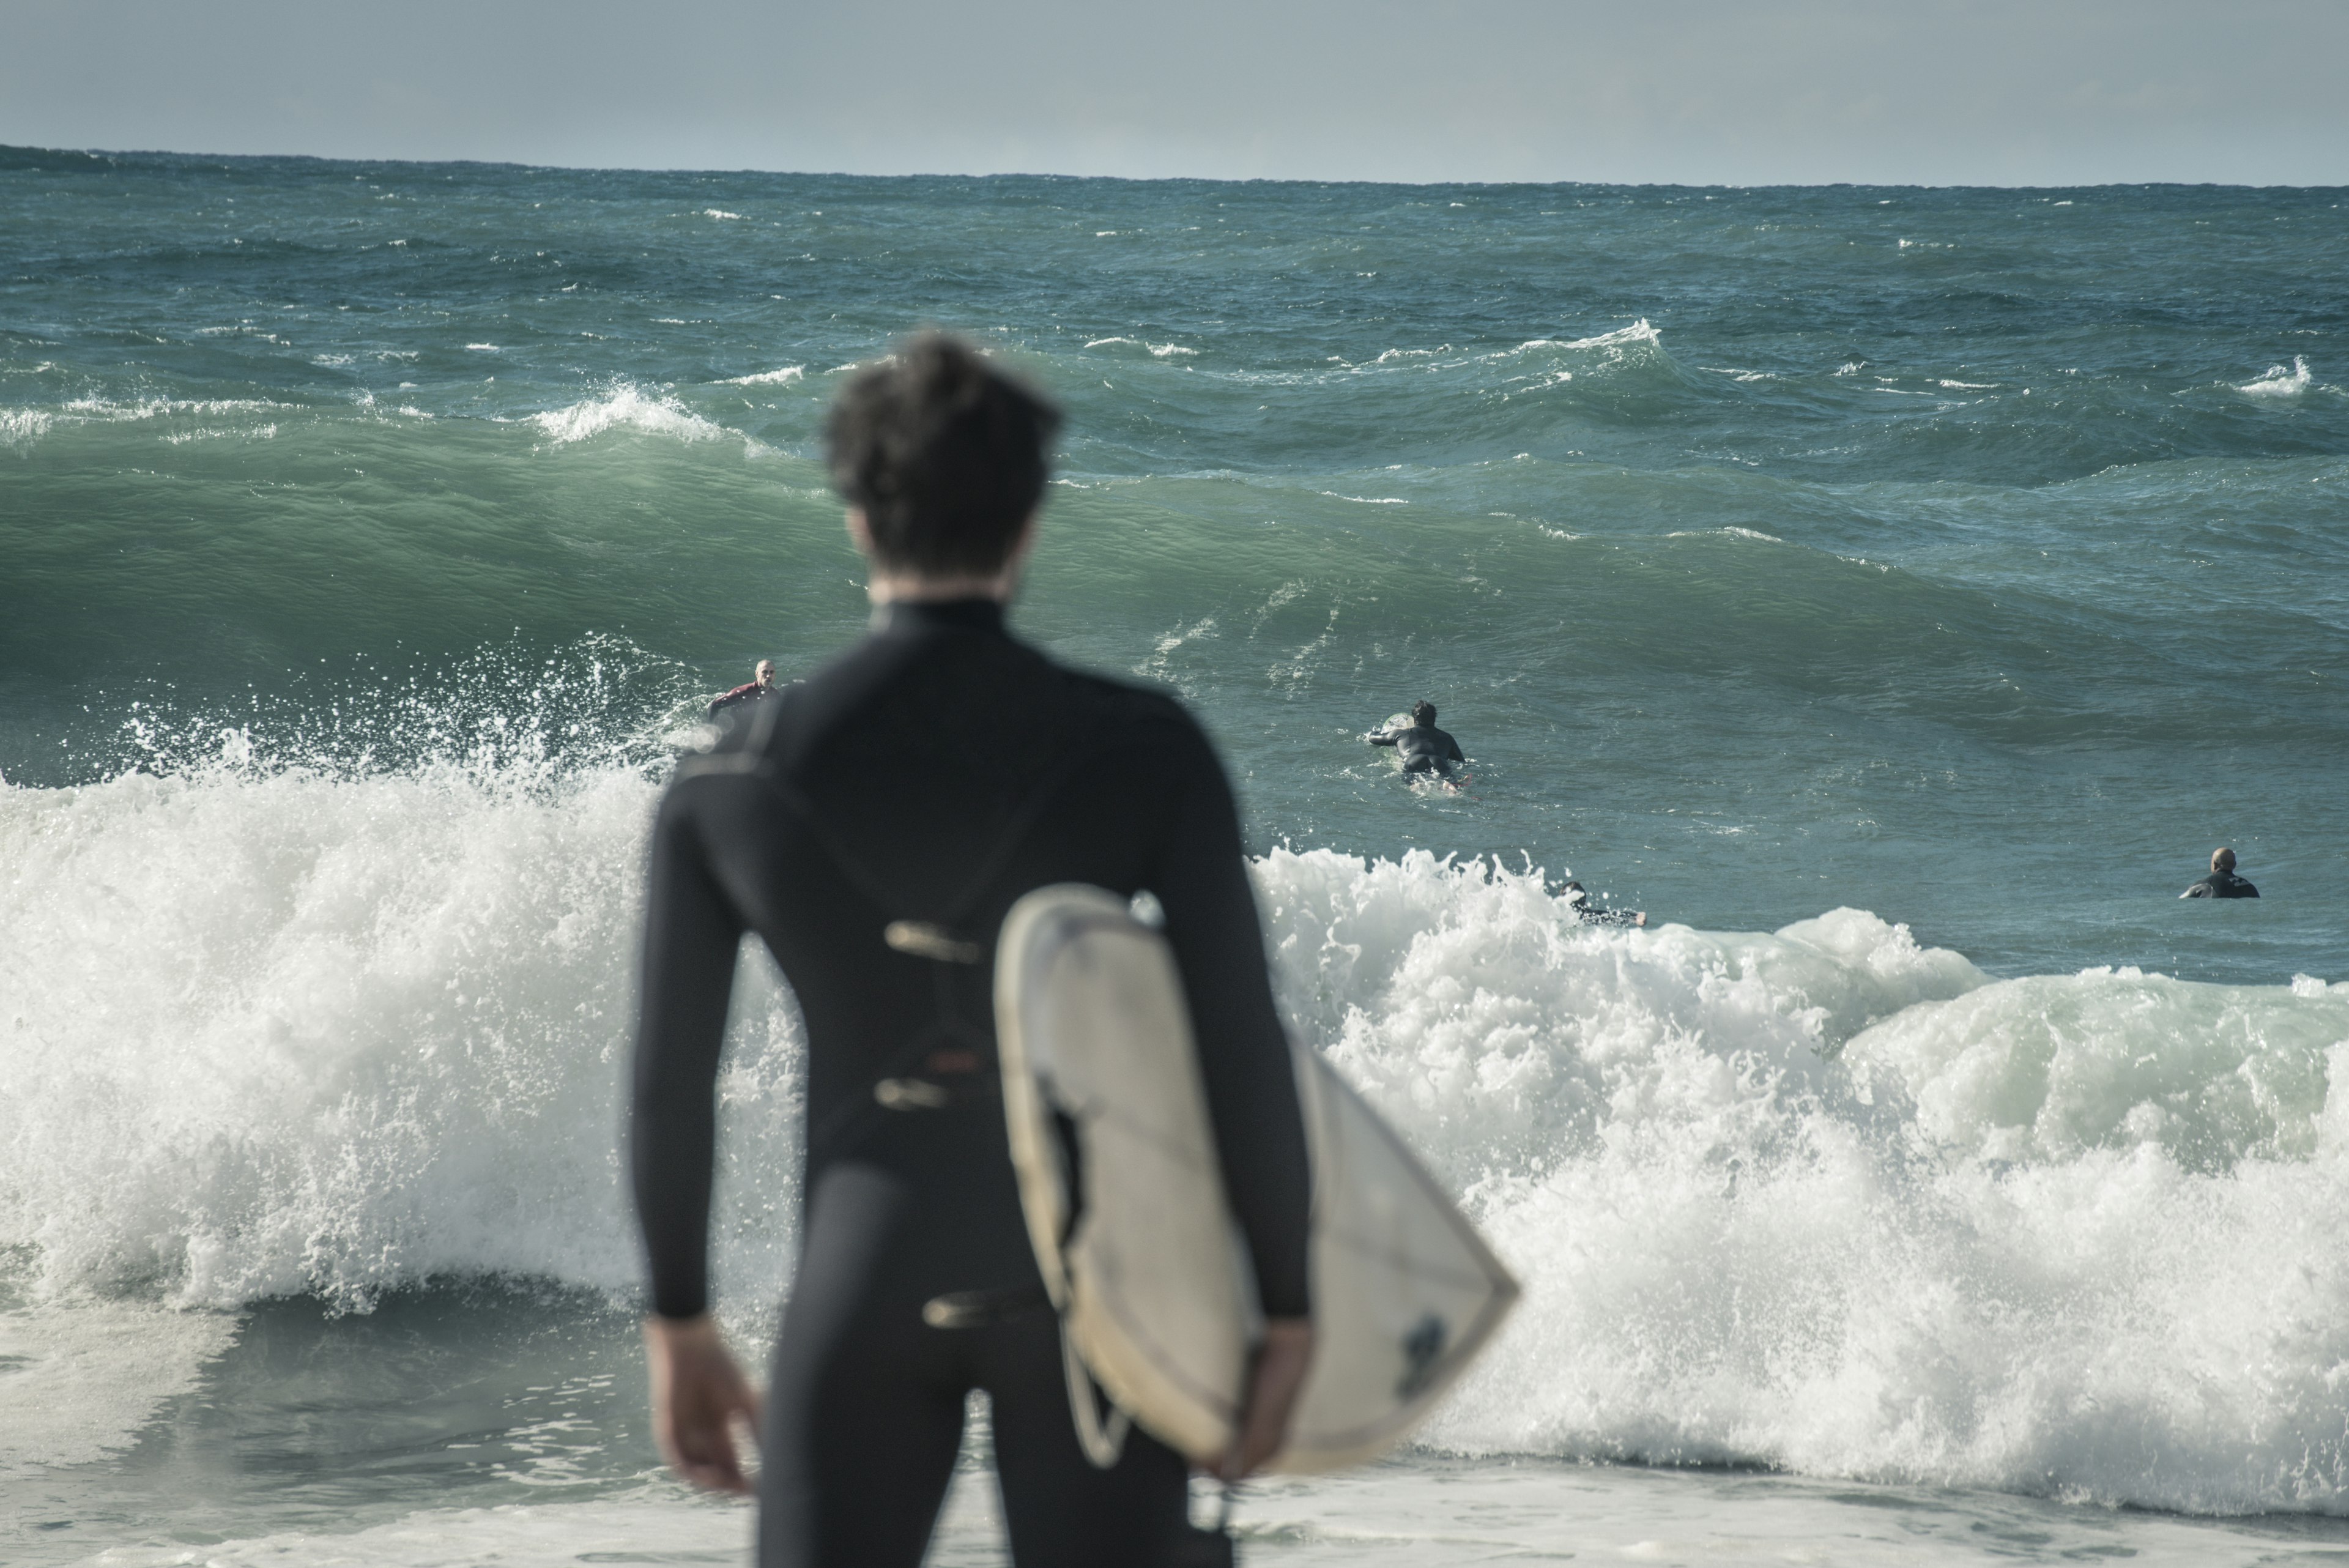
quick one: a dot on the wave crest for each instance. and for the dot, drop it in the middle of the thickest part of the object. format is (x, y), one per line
(2280, 383)
(274, 1026)
(626, 406)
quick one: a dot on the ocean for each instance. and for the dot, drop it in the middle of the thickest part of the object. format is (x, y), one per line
(1897, 593)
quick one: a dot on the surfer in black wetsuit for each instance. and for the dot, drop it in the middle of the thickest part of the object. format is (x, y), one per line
(758, 688)
(872, 828)
(2223, 882)
(1601, 914)
(1424, 748)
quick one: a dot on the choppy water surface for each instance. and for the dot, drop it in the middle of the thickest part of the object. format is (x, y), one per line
(1896, 592)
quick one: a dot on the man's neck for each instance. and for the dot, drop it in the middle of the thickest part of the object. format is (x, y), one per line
(889, 589)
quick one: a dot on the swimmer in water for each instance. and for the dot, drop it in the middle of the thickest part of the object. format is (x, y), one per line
(1599, 914)
(761, 686)
(1424, 748)
(2223, 882)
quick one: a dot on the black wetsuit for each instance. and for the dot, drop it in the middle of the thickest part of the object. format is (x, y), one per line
(1424, 748)
(1599, 914)
(2222, 885)
(934, 774)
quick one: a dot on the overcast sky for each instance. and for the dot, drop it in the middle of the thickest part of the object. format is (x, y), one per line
(1701, 92)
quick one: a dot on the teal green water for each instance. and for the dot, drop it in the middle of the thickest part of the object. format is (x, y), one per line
(2051, 599)
(1970, 562)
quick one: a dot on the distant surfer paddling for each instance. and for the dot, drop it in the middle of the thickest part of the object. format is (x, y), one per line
(758, 688)
(1597, 914)
(2223, 882)
(871, 829)
(1424, 748)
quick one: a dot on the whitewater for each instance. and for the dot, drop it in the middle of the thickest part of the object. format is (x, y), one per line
(1897, 594)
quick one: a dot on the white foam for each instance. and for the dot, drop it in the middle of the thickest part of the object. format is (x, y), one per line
(1638, 332)
(1732, 532)
(626, 406)
(2279, 382)
(252, 433)
(1155, 350)
(2052, 1068)
(274, 1031)
(110, 411)
(1821, 1199)
(721, 215)
(2086, 1235)
(22, 427)
(767, 378)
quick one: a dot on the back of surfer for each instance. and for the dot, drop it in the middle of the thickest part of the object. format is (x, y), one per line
(870, 826)
(2223, 882)
(1424, 748)
(761, 686)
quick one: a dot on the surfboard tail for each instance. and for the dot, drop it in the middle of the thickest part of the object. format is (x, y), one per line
(1134, 1232)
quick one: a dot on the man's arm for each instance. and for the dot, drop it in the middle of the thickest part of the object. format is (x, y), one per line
(691, 932)
(1451, 750)
(1383, 737)
(1245, 1064)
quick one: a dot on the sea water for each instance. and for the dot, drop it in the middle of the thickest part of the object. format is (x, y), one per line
(1897, 593)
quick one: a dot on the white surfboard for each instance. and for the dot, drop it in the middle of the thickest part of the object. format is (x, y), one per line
(1125, 1206)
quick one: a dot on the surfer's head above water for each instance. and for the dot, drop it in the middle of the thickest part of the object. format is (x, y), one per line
(2223, 882)
(764, 674)
(1422, 713)
(942, 459)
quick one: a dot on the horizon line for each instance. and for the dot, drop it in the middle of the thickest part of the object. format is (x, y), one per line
(109, 154)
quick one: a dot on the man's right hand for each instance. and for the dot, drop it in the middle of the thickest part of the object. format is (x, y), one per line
(1274, 1383)
(697, 1395)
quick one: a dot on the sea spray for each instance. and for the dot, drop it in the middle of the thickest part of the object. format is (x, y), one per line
(284, 1018)
(1835, 1202)
(1828, 1198)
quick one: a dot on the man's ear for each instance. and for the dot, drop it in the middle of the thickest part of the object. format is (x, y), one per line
(1023, 543)
(860, 531)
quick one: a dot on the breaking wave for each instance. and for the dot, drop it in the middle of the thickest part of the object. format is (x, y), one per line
(2279, 382)
(283, 1023)
(627, 407)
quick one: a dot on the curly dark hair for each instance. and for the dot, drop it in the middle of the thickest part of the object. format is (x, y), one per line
(945, 454)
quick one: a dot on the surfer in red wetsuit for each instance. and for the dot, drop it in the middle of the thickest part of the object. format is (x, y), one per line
(760, 685)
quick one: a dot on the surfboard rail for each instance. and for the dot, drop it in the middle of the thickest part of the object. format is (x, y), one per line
(1126, 1208)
